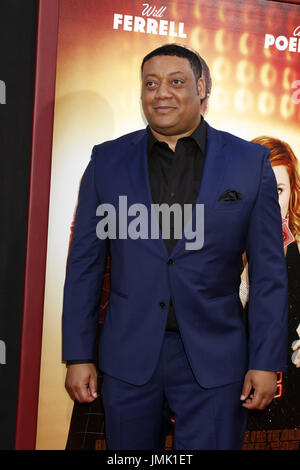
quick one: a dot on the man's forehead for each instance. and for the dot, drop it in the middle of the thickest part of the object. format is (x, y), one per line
(169, 63)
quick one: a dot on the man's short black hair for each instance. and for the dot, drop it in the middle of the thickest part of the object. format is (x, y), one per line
(178, 51)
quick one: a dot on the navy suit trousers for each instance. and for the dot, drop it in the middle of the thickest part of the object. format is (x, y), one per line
(205, 419)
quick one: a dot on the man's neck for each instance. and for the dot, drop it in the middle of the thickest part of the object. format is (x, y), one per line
(171, 140)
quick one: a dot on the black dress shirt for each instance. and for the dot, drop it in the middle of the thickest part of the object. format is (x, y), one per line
(174, 178)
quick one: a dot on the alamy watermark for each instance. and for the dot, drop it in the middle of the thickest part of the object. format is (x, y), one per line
(139, 226)
(2, 92)
(2, 352)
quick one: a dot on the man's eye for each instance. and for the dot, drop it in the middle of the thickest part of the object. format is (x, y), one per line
(150, 84)
(177, 82)
(279, 190)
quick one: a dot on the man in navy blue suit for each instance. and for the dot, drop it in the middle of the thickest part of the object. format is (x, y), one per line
(174, 330)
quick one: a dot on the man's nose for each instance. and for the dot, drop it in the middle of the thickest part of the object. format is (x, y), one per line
(163, 91)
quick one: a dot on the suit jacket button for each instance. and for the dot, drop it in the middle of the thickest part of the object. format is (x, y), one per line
(170, 261)
(162, 304)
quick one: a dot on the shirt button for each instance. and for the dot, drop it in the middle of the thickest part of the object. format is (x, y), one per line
(162, 304)
(170, 261)
(172, 194)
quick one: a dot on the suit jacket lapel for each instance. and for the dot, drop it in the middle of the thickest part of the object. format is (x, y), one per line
(139, 176)
(212, 176)
(214, 166)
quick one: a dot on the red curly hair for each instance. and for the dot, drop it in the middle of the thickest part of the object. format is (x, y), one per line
(282, 154)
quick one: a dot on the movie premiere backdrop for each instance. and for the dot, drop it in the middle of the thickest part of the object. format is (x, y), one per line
(252, 49)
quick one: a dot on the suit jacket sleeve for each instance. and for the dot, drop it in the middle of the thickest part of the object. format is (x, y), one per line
(84, 276)
(267, 308)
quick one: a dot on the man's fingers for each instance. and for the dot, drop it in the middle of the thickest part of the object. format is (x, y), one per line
(258, 401)
(82, 394)
(256, 404)
(93, 386)
(264, 385)
(81, 382)
(253, 402)
(246, 389)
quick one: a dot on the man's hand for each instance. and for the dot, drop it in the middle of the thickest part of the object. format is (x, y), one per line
(263, 385)
(81, 382)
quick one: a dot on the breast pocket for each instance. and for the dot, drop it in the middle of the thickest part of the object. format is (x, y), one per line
(228, 205)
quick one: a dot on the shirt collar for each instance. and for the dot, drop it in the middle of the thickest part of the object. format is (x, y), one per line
(199, 136)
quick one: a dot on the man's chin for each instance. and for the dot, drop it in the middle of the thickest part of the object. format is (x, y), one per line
(165, 128)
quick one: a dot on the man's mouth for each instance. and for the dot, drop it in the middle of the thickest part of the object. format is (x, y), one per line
(164, 109)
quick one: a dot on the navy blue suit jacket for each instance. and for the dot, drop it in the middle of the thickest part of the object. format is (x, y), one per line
(203, 283)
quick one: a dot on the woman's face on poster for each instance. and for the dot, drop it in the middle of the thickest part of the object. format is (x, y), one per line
(283, 187)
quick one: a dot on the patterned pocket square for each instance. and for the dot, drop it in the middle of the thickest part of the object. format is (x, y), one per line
(230, 195)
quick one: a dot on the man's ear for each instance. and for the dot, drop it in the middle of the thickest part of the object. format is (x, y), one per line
(201, 86)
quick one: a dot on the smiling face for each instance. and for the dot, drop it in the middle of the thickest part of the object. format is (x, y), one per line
(171, 96)
(284, 188)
